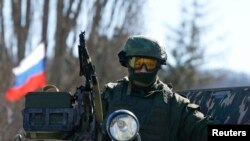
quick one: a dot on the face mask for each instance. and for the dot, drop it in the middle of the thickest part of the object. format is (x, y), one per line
(142, 79)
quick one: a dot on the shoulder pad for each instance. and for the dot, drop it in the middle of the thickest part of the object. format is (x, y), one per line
(167, 90)
(108, 90)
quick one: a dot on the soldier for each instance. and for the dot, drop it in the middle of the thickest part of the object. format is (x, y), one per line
(163, 114)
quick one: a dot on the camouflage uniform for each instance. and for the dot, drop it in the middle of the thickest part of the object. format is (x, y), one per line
(163, 115)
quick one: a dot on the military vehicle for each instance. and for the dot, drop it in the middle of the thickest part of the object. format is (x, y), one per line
(226, 105)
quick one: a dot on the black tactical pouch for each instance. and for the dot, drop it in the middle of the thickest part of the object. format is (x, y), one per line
(48, 115)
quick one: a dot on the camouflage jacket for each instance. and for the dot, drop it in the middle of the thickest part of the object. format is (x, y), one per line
(163, 115)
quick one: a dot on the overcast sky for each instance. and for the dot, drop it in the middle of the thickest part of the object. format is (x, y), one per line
(233, 21)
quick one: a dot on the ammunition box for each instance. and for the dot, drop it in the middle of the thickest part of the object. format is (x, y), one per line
(48, 115)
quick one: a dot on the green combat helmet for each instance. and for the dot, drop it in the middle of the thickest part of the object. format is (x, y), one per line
(142, 46)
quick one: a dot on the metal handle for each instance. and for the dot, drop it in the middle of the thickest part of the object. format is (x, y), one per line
(49, 86)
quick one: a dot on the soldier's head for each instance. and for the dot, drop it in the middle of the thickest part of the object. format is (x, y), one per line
(143, 57)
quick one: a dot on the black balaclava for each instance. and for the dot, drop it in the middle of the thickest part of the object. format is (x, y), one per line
(142, 79)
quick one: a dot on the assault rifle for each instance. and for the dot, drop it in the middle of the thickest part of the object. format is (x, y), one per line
(89, 107)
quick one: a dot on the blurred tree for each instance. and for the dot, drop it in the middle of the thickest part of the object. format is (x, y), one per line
(6, 64)
(187, 47)
(21, 24)
(58, 24)
(106, 31)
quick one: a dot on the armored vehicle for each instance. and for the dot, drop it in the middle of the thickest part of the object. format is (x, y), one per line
(226, 105)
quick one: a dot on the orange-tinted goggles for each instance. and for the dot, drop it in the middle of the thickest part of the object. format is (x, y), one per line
(138, 62)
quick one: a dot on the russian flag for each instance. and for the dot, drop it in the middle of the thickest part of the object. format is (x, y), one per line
(29, 75)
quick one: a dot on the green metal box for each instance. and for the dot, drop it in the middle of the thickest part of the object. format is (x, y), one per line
(48, 115)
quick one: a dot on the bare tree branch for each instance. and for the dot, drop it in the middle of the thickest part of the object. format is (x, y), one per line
(45, 22)
(69, 8)
(21, 30)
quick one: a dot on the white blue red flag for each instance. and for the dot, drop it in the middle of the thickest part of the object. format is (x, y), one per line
(29, 75)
